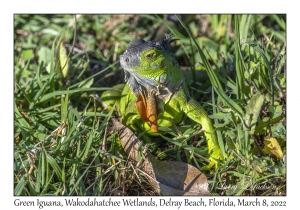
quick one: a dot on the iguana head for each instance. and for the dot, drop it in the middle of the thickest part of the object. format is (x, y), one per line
(153, 74)
(150, 64)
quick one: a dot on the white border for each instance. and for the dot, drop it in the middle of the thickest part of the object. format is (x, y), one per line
(8, 8)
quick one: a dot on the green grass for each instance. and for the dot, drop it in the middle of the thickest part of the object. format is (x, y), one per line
(64, 143)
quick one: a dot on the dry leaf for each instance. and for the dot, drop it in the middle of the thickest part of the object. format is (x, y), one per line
(167, 178)
(272, 147)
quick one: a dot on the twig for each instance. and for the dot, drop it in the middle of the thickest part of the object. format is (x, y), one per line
(143, 172)
(31, 161)
(201, 157)
(134, 173)
(195, 161)
(104, 138)
(138, 165)
(110, 168)
(51, 134)
(96, 97)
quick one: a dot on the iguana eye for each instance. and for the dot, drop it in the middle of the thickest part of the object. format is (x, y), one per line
(150, 56)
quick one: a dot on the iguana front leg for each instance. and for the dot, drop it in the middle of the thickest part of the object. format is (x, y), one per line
(195, 112)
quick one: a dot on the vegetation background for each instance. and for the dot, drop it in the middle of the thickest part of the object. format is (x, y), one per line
(235, 66)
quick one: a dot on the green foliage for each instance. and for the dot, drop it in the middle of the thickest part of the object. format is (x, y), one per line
(63, 141)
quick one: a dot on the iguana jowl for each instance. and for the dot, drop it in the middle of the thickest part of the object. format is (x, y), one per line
(158, 92)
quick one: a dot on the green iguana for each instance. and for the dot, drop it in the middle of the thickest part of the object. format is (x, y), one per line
(156, 92)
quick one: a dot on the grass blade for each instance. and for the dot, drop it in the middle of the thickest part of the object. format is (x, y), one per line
(239, 64)
(219, 134)
(64, 107)
(61, 92)
(231, 103)
(20, 186)
(52, 72)
(212, 75)
(55, 166)
(267, 63)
